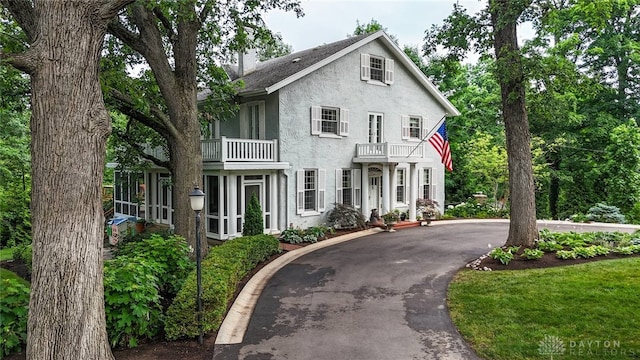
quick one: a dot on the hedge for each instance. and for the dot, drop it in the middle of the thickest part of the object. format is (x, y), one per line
(222, 271)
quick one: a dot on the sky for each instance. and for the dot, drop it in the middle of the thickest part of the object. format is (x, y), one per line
(327, 21)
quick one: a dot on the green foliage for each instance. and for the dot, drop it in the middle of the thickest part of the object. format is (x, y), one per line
(585, 252)
(253, 221)
(222, 270)
(23, 253)
(310, 235)
(345, 217)
(473, 209)
(292, 235)
(566, 254)
(132, 301)
(14, 308)
(499, 254)
(605, 213)
(171, 254)
(622, 170)
(532, 254)
(549, 246)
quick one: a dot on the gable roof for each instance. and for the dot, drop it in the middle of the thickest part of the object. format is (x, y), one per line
(274, 74)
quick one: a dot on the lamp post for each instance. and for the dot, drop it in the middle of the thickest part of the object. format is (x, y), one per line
(196, 197)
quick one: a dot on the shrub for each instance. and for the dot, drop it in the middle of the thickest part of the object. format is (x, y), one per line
(132, 302)
(566, 254)
(14, 308)
(532, 254)
(585, 252)
(292, 236)
(605, 213)
(579, 218)
(549, 246)
(473, 209)
(222, 271)
(23, 253)
(345, 217)
(170, 252)
(499, 254)
(253, 222)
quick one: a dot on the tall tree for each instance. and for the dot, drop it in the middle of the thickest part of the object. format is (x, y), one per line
(69, 129)
(180, 42)
(461, 33)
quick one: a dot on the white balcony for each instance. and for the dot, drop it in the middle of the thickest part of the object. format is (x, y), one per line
(234, 153)
(387, 152)
(239, 150)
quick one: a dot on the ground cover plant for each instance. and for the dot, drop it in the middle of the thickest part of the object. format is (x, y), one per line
(510, 314)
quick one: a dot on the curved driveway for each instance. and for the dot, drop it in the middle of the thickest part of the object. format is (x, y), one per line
(377, 297)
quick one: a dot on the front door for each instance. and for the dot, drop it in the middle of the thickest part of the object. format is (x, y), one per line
(250, 189)
(375, 193)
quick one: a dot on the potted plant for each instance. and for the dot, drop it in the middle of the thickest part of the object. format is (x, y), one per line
(391, 218)
(428, 208)
(140, 225)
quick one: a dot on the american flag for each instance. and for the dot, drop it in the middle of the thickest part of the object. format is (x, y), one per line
(440, 141)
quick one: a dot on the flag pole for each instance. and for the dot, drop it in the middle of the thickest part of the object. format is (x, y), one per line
(428, 134)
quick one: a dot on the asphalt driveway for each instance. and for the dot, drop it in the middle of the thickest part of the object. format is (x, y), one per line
(381, 296)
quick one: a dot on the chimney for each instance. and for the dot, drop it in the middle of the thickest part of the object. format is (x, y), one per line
(247, 62)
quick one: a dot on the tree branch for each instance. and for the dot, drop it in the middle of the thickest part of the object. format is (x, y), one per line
(126, 36)
(23, 61)
(139, 149)
(158, 121)
(110, 9)
(166, 23)
(24, 14)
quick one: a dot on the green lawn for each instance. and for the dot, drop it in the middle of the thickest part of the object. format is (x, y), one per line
(6, 274)
(592, 309)
(6, 253)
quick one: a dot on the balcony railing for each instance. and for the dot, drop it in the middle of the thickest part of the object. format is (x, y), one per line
(231, 150)
(387, 150)
(242, 150)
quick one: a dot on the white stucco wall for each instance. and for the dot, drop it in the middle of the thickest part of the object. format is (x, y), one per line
(338, 85)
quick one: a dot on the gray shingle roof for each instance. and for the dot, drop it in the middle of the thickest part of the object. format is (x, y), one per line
(275, 70)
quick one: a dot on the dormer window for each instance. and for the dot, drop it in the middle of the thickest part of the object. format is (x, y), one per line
(376, 69)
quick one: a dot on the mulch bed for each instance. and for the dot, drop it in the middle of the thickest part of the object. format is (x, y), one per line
(547, 260)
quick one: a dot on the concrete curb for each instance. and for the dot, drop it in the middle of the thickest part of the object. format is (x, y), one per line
(235, 323)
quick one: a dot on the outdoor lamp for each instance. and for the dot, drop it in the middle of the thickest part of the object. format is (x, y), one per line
(196, 197)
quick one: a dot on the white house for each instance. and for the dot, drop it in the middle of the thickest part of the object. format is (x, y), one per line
(338, 123)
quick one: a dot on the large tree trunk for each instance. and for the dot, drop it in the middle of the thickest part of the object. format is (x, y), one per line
(69, 129)
(504, 15)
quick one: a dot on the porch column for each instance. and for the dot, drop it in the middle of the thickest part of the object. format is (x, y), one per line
(282, 198)
(393, 184)
(232, 206)
(386, 190)
(364, 191)
(273, 200)
(413, 191)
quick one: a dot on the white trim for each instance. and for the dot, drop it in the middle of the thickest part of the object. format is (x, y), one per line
(356, 184)
(322, 175)
(398, 54)
(388, 71)
(339, 190)
(365, 67)
(316, 120)
(344, 122)
(300, 192)
(404, 119)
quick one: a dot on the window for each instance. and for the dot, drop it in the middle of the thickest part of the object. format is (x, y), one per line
(348, 187)
(329, 121)
(128, 194)
(400, 186)
(310, 195)
(426, 184)
(310, 191)
(252, 120)
(413, 127)
(376, 69)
